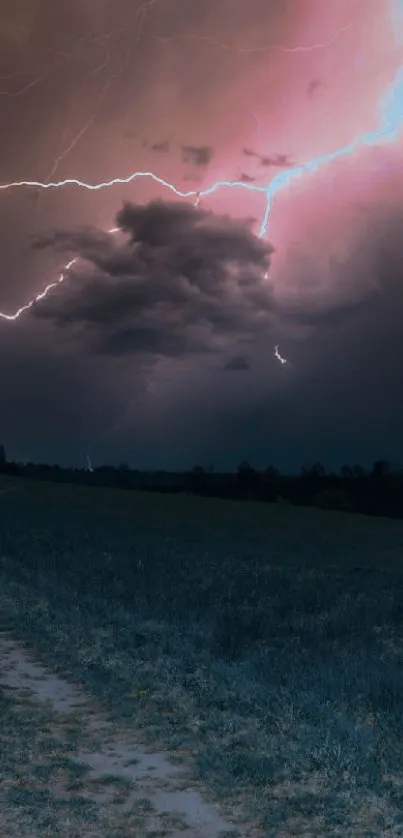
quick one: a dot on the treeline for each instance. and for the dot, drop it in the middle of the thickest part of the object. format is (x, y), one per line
(378, 491)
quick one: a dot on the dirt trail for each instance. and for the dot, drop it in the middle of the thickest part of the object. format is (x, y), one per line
(147, 794)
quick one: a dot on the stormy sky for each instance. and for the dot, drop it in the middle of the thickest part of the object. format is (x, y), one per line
(159, 346)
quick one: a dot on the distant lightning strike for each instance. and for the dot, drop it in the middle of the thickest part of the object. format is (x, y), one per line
(391, 122)
(278, 356)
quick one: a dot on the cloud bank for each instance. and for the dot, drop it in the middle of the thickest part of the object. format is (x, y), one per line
(179, 282)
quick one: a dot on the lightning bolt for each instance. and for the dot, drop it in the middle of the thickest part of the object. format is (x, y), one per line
(278, 356)
(29, 85)
(41, 295)
(390, 123)
(94, 187)
(248, 50)
(105, 43)
(83, 130)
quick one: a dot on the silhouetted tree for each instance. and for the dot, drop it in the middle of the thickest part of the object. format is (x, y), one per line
(346, 472)
(123, 475)
(3, 458)
(317, 470)
(248, 477)
(380, 468)
(198, 470)
(197, 481)
(270, 471)
(244, 468)
(334, 499)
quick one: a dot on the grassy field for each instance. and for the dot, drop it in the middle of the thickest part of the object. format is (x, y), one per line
(263, 640)
(32, 767)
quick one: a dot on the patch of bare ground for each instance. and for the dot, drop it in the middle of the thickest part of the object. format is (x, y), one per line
(67, 770)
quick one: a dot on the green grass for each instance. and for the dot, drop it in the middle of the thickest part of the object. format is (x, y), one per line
(263, 640)
(36, 777)
(115, 780)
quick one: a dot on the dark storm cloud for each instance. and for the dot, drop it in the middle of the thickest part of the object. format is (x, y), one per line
(341, 394)
(197, 155)
(183, 282)
(247, 178)
(313, 86)
(280, 160)
(237, 363)
(327, 312)
(161, 147)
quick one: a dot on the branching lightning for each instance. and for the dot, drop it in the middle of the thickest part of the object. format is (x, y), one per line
(388, 131)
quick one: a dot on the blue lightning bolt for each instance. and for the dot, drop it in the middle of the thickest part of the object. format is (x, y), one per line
(391, 122)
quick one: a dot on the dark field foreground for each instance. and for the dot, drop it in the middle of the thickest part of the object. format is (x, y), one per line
(263, 640)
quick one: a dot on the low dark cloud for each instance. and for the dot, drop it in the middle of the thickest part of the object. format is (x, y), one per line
(280, 160)
(245, 178)
(237, 363)
(313, 86)
(197, 155)
(180, 282)
(162, 147)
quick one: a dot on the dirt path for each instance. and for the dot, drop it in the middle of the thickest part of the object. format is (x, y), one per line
(66, 761)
